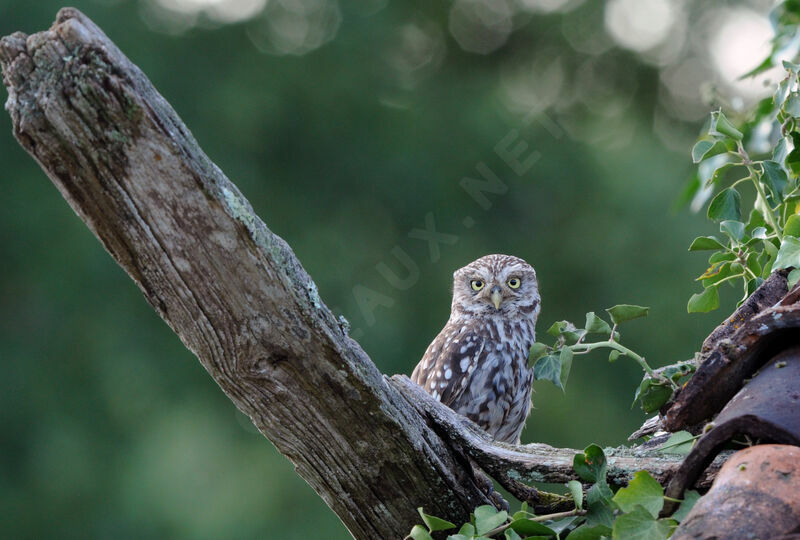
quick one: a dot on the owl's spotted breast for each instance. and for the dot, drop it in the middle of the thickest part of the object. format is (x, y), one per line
(477, 365)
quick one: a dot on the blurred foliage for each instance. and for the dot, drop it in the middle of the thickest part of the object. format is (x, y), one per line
(109, 427)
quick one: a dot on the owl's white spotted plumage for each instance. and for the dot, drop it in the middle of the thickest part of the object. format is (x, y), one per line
(478, 364)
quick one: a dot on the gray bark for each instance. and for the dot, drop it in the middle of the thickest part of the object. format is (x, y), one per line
(237, 296)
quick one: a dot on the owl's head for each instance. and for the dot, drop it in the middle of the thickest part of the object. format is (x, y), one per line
(496, 285)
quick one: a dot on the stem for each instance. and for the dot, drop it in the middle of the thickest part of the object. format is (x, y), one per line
(611, 344)
(547, 517)
(755, 175)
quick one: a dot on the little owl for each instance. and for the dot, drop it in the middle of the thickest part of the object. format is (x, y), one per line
(478, 364)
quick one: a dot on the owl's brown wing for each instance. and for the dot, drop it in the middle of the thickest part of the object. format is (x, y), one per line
(448, 364)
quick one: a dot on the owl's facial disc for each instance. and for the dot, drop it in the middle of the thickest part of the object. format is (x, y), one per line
(496, 296)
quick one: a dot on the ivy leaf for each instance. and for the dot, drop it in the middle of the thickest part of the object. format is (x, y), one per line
(753, 265)
(775, 178)
(596, 325)
(565, 359)
(678, 443)
(419, 533)
(781, 150)
(721, 126)
(700, 149)
(705, 243)
(537, 350)
(626, 312)
(585, 532)
(788, 254)
(599, 506)
(434, 523)
(733, 229)
(529, 527)
(640, 525)
(726, 205)
(487, 518)
(782, 92)
(643, 491)
(558, 328)
(591, 464)
(792, 105)
(792, 227)
(467, 529)
(576, 489)
(689, 498)
(703, 302)
(548, 368)
(651, 394)
(793, 278)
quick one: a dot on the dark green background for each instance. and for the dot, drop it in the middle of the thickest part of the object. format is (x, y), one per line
(110, 428)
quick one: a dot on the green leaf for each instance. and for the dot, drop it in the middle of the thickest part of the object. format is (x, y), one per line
(700, 149)
(511, 534)
(781, 150)
(721, 256)
(467, 529)
(643, 490)
(576, 489)
(792, 105)
(792, 227)
(487, 518)
(626, 312)
(640, 525)
(565, 358)
(585, 532)
(591, 464)
(775, 178)
(599, 505)
(527, 527)
(558, 328)
(783, 91)
(726, 205)
(753, 265)
(548, 368)
(788, 254)
(460, 536)
(420, 533)
(705, 243)
(434, 523)
(703, 302)
(537, 351)
(596, 325)
(732, 229)
(613, 355)
(719, 272)
(652, 394)
(721, 126)
(680, 442)
(689, 498)
(793, 277)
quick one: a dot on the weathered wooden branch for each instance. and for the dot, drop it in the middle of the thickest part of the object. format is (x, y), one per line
(537, 462)
(373, 449)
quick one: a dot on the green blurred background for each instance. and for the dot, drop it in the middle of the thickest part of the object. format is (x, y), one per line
(346, 124)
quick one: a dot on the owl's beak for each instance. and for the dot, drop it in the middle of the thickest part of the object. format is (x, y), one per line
(496, 297)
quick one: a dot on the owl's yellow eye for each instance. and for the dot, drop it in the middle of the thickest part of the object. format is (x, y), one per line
(476, 284)
(514, 283)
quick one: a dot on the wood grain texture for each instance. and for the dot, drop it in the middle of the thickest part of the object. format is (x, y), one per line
(232, 290)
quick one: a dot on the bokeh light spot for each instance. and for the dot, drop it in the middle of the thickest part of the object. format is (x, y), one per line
(639, 25)
(480, 26)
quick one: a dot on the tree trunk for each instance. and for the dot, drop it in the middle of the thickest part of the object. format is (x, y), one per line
(234, 291)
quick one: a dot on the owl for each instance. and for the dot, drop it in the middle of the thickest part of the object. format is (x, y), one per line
(478, 364)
